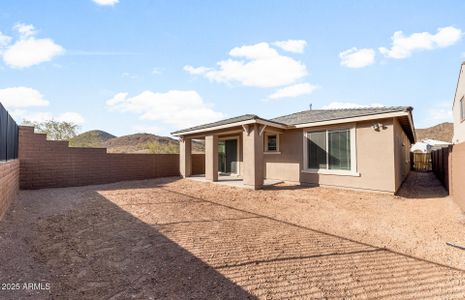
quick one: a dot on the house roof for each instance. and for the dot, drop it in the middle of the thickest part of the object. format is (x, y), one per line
(230, 121)
(306, 117)
(320, 115)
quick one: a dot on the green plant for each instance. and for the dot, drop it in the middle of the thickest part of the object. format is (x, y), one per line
(55, 130)
(162, 148)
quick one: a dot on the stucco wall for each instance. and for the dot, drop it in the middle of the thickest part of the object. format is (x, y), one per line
(375, 160)
(457, 174)
(402, 154)
(459, 126)
(286, 165)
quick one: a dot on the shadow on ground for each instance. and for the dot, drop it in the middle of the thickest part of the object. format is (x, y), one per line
(146, 240)
(422, 185)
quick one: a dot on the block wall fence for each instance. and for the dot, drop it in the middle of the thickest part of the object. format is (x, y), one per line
(9, 184)
(449, 167)
(53, 164)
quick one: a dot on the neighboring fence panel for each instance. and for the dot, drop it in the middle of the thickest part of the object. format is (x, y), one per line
(9, 165)
(9, 134)
(421, 162)
(440, 165)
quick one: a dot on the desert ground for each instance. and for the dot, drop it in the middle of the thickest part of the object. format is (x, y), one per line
(181, 239)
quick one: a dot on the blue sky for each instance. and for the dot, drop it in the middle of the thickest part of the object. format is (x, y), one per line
(143, 65)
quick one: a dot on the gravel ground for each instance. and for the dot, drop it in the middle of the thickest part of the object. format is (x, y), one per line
(182, 239)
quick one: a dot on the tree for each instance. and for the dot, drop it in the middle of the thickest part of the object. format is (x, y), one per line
(162, 148)
(55, 130)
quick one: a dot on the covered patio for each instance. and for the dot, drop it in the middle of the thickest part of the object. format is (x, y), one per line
(234, 149)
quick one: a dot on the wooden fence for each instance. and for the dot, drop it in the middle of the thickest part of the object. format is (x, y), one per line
(440, 165)
(421, 162)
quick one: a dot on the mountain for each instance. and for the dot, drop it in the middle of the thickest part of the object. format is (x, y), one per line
(93, 138)
(134, 143)
(441, 132)
(142, 143)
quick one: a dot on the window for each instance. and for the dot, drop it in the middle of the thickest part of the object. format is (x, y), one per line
(462, 109)
(271, 143)
(329, 150)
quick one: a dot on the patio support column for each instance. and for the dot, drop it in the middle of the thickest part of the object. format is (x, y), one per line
(211, 157)
(185, 165)
(253, 163)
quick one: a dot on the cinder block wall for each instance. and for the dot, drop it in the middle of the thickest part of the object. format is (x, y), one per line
(51, 164)
(9, 184)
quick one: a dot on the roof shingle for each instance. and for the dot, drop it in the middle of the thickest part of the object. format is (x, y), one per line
(219, 123)
(307, 116)
(320, 115)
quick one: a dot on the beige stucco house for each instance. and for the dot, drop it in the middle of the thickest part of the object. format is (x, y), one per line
(458, 108)
(364, 148)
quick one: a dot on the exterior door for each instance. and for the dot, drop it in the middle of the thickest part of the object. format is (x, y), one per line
(227, 156)
(231, 156)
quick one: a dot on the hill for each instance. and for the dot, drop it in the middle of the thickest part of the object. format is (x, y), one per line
(442, 132)
(134, 143)
(93, 138)
(142, 143)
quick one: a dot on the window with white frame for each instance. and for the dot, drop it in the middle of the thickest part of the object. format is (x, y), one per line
(272, 143)
(331, 149)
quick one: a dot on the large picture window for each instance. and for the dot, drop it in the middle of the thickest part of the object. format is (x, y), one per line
(329, 150)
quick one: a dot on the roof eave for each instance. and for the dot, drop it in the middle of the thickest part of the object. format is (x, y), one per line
(235, 124)
(354, 119)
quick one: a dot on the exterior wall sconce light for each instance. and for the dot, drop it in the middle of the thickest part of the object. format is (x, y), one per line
(378, 126)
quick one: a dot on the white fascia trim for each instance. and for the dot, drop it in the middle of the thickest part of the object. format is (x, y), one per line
(354, 119)
(410, 119)
(253, 121)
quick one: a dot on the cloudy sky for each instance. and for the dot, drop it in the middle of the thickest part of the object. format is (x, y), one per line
(129, 66)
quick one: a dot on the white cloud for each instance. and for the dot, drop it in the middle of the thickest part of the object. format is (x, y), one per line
(179, 108)
(345, 105)
(106, 2)
(294, 91)
(357, 58)
(71, 117)
(4, 40)
(117, 99)
(196, 71)
(25, 30)
(256, 65)
(28, 50)
(129, 75)
(26, 53)
(21, 97)
(403, 46)
(21, 115)
(295, 46)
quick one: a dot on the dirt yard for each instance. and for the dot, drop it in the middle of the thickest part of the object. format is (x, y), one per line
(181, 239)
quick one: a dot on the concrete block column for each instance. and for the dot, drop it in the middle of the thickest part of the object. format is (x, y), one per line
(185, 150)
(211, 157)
(253, 162)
